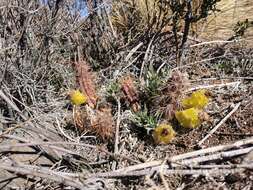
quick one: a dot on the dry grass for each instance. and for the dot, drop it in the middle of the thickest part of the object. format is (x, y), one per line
(41, 146)
(221, 24)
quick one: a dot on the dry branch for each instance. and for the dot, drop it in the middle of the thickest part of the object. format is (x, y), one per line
(151, 171)
(52, 144)
(219, 124)
(42, 173)
(177, 162)
(214, 86)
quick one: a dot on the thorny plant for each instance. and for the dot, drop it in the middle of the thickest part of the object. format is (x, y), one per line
(145, 119)
(113, 89)
(153, 83)
(40, 43)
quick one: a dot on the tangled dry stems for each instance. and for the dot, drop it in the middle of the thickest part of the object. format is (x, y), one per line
(38, 45)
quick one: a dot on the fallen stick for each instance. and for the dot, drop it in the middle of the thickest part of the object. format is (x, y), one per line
(13, 106)
(116, 144)
(175, 159)
(214, 42)
(211, 150)
(220, 155)
(219, 124)
(52, 143)
(150, 171)
(178, 169)
(43, 173)
(214, 86)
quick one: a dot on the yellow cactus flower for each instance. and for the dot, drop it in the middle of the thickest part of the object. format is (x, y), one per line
(163, 134)
(77, 97)
(197, 99)
(188, 118)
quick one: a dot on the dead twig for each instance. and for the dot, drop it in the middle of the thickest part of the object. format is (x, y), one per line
(52, 143)
(43, 173)
(116, 144)
(204, 172)
(214, 42)
(154, 166)
(218, 156)
(161, 173)
(9, 102)
(214, 86)
(211, 150)
(219, 124)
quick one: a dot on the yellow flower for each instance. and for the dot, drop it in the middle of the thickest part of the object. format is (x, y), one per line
(198, 100)
(163, 134)
(77, 97)
(188, 118)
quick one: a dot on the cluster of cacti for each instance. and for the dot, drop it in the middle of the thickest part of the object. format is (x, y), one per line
(158, 99)
(190, 117)
(161, 101)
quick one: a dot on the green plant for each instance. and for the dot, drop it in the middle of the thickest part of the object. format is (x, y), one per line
(113, 89)
(144, 119)
(241, 27)
(226, 66)
(153, 83)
